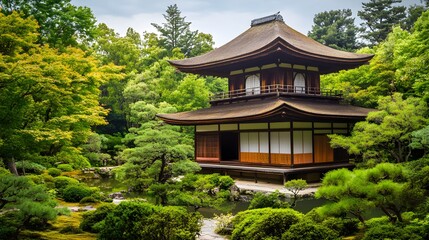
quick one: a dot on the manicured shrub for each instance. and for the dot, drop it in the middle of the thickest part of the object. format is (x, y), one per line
(272, 200)
(390, 231)
(344, 227)
(263, 223)
(91, 218)
(75, 193)
(65, 167)
(140, 220)
(225, 182)
(309, 230)
(54, 172)
(89, 199)
(62, 182)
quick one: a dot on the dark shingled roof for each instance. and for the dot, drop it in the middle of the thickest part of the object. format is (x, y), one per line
(260, 109)
(266, 38)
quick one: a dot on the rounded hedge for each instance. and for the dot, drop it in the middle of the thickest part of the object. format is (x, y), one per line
(308, 230)
(62, 182)
(54, 172)
(65, 167)
(263, 223)
(75, 193)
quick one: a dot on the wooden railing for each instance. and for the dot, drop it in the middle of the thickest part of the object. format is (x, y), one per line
(275, 89)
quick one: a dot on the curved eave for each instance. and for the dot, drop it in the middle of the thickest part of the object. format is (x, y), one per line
(277, 47)
(278, 108)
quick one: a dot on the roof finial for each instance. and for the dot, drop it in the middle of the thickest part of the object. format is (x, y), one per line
(267, 19)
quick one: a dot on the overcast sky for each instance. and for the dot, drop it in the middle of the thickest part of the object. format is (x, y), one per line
(223, 19)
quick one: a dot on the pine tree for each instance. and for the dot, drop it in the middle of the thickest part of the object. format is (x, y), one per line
(335, 29)
(379, 17)
(176, 33)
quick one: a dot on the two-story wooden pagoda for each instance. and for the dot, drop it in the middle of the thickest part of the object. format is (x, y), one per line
(275, 113)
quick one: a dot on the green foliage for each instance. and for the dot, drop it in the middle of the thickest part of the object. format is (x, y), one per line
(75, 193)
(139, 220)
(295, 186)
(4, 171)
(387, 133)
(379, 17)
(343, 226)
(208, 190)
(29, 167)
(65, 167)
(263, 223)
(54, 172)
(61, 182)
(91, 218)
(399, 65)
(389, 231)
(89, 199)
(420, 139)
(335, 29)
(223, 223)
(272, 200)
(49, 98)
(176, 33)
(307, 230)
(384, 186)
(61, 24)
(23, 203)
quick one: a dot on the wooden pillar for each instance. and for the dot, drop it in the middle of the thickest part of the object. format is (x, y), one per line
(312, 139)
(291, 144)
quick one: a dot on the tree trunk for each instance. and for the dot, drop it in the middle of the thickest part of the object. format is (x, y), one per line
(391, 218)
(12, 166)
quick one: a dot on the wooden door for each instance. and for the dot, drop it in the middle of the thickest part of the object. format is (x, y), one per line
(322, 149)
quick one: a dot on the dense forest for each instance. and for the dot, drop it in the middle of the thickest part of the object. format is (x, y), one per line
(75, 94)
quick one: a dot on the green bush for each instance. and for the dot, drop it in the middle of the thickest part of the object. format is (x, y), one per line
(65, 167)
(344, 227)
(4, 171)
(91, 218)
(89, 199)
(140, 220)
(225, 182)
(263, 223)
(61, 182)
(308, 230)
(75, 193)
(29, 167)
(54, 172)
(272, 200)
(390, 231)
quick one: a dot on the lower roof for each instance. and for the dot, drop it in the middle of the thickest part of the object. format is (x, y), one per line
(314, 109)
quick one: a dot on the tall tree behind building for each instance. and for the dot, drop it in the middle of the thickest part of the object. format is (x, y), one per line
(176, 33)
(379, 16)
(335, 29)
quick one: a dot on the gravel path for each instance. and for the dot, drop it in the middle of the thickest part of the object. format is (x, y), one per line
(207, 230)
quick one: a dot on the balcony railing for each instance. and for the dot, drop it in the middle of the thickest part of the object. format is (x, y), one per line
(275, 89)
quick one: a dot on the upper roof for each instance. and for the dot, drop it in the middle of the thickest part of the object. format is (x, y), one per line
(271, 41)
(304, 108)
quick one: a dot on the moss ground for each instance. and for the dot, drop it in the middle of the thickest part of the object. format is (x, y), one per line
(56, 231)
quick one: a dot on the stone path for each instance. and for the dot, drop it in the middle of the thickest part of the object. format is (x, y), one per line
(207, 230)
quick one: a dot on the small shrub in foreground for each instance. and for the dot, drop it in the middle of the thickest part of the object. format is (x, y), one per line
(54, 172)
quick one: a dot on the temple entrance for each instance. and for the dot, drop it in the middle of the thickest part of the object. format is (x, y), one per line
(229, 146)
